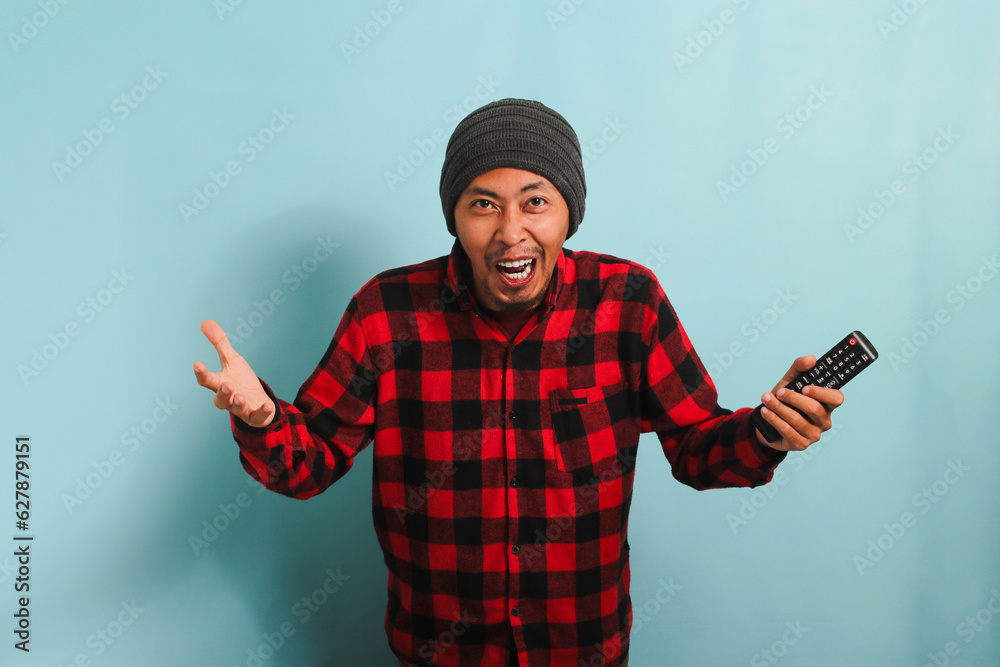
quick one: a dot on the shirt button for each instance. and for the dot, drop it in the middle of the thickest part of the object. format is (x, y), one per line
(515, 549)
(513, 481)
(512, 415)
(514, 612)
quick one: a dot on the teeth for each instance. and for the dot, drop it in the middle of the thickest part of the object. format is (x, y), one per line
(511, 265)
(525, 263)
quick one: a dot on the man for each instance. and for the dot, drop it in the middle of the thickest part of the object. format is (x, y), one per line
(505, 387)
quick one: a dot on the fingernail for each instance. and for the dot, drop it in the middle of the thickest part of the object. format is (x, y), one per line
(780, 392)
(764, 411)
(766, 397)
(226, 390)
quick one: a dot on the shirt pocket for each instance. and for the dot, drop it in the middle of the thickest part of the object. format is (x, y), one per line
(595, 432)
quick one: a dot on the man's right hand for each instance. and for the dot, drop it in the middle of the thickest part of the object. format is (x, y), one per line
(236, 386)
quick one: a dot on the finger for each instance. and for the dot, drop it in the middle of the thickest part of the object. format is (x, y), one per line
(261, 416)
(815, 412)
(257, 418)
(224, 397)
(800, 365)
(217, 337)
(240, 408)
(790, 438)
(786, 434)
(801, 424)
(832, 398)
(207, 378)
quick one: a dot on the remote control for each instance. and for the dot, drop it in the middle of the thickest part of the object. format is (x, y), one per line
(833, 370)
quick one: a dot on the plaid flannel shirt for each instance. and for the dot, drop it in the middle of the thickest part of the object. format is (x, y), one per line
(503, 469)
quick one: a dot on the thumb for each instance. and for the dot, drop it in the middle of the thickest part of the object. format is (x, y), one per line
(217, 337)
(800, 365)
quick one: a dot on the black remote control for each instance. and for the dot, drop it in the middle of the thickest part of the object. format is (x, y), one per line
(833, 370)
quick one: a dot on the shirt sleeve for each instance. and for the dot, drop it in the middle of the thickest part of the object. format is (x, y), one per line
(312, 442)
(707, 446)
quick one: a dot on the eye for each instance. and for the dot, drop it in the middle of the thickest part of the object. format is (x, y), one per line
(482, 203)
(536, 201)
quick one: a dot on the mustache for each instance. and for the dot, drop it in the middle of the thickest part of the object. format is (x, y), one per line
(493, 257)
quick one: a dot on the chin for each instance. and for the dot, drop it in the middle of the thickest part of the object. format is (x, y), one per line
(514, 307)
(517, 305)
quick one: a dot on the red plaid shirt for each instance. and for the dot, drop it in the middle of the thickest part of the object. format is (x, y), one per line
(503, 468)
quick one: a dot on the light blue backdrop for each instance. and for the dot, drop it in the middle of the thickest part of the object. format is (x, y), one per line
(790, 170)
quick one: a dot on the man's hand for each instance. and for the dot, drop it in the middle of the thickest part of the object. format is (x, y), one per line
(798, 431)
(236, 386)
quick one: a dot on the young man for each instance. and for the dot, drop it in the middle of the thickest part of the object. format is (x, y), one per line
(505, 387)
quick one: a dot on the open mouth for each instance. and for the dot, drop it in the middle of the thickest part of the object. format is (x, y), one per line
(516, 272)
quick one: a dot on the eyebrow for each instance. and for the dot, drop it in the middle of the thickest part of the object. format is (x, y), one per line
(476, 190)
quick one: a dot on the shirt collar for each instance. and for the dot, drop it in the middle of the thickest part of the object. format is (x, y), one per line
(466, 300)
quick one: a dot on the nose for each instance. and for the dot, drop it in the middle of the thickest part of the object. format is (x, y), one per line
(511, 227)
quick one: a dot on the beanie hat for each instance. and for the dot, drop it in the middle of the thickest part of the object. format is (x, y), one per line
(522, 134)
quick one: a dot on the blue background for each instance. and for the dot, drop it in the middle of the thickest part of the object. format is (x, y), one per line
(670, 99)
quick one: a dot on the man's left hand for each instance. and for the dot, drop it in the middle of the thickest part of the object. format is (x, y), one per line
(798, 430)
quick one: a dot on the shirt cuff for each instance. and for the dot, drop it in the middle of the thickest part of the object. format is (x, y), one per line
(767, 455)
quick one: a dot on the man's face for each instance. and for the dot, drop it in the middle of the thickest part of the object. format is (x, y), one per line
(511, 215)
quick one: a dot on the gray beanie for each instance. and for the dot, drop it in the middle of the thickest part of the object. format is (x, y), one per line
(523, 134)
